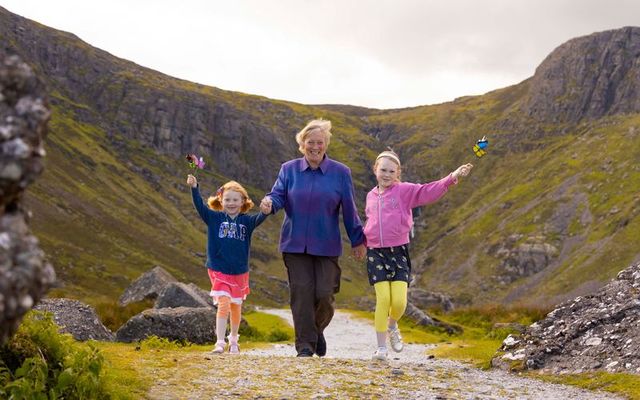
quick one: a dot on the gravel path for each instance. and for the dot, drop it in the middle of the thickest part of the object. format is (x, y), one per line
(354, 339)
(347, 372)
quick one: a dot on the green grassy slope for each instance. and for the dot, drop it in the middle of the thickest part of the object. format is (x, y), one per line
(112, 203)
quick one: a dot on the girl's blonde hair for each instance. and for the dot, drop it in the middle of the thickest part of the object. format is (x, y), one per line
(215, 201)
(391, 155)
(317, 125)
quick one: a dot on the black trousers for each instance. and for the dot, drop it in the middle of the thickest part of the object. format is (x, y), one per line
(313, 281)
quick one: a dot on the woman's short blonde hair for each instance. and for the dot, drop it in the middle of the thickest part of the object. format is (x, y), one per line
(317, 125)
(215, 201)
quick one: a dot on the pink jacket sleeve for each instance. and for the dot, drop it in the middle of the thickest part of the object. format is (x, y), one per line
(415, 194)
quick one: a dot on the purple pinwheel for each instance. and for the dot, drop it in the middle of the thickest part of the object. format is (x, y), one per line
(195, 163)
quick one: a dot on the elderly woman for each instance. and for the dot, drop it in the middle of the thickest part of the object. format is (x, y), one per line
(312, 190)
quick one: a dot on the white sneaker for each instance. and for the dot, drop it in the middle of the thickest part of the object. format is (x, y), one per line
(234, 348)
(396, 340)
(380, 354)
(218, 348)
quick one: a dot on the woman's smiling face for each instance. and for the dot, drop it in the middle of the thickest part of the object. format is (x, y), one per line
(314, 147)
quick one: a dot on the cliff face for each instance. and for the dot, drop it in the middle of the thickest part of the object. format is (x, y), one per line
(171, 116)
(588, 77)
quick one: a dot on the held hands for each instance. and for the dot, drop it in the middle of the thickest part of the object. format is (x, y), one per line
(359, 252)
(266, 205)
(462, 170)
(192, 181)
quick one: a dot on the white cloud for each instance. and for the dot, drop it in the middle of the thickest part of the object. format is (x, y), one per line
(380, 54)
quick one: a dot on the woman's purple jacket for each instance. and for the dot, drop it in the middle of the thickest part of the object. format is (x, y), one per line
(312, 200)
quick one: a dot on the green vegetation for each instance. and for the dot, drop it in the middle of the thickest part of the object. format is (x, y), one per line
(266, 327)
(40, 363)
(627, 385)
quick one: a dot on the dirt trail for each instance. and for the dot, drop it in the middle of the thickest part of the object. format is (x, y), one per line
(348, 372)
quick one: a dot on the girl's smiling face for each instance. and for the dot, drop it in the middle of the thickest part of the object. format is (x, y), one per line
(232, 201)
(387, 172)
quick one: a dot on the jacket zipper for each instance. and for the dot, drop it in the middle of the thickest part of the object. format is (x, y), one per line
(380, 217)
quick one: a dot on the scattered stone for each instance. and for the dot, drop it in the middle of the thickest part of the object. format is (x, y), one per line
(76, 318)
(590, 333)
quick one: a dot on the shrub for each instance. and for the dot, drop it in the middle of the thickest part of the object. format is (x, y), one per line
(40, 363)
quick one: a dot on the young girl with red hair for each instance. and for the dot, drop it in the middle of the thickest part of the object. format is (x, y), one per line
(228, 244)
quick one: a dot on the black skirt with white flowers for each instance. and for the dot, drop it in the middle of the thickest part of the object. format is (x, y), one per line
(389, 264)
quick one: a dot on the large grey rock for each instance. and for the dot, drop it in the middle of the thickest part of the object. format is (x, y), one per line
(196, 325)
(600, 332)
(147, 286)
(178, 294)
(423, 319)
(76, 318)
(25, 275)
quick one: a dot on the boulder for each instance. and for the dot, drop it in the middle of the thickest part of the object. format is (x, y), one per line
(425, 299)
(423, 319)
(195, 325)
(178, 294)
(25, 275)
(76, 318)
(593, 333)
(147, 286)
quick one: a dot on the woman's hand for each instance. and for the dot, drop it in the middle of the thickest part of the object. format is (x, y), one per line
(192, 181)
(266, 205)
(359, 252)
(462, 170)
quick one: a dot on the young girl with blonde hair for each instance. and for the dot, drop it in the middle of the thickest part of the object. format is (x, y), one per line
(228, 244)
(389, 221)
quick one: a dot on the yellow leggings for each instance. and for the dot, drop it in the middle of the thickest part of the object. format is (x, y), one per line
(391, 301)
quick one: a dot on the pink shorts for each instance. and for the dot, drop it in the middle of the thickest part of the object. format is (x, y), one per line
(234, 286)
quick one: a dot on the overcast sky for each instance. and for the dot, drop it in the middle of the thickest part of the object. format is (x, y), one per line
(382, 54)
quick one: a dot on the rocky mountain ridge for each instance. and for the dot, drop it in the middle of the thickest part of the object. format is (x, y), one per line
(558, 182)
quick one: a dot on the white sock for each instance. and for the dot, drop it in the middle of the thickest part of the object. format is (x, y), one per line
(381, 337)
(221, 328)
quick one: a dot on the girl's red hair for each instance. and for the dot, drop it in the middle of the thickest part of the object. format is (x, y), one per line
(215, 201)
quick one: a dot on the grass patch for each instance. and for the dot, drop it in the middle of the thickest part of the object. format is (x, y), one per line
(480, 338)
(268, 327)
(113, 316)
(627, 385)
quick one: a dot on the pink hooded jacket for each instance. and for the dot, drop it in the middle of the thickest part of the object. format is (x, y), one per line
(389, 216)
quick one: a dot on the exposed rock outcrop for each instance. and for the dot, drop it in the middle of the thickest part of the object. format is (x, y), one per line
(600, 332)
(147, 286)
(195, 325)
(523, 259)
(76, 318)
(425, 299)
(25, 275)
(174, 117)
(588, 77)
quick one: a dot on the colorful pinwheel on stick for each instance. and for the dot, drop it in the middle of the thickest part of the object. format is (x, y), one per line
(195, 163)
(480, 147)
